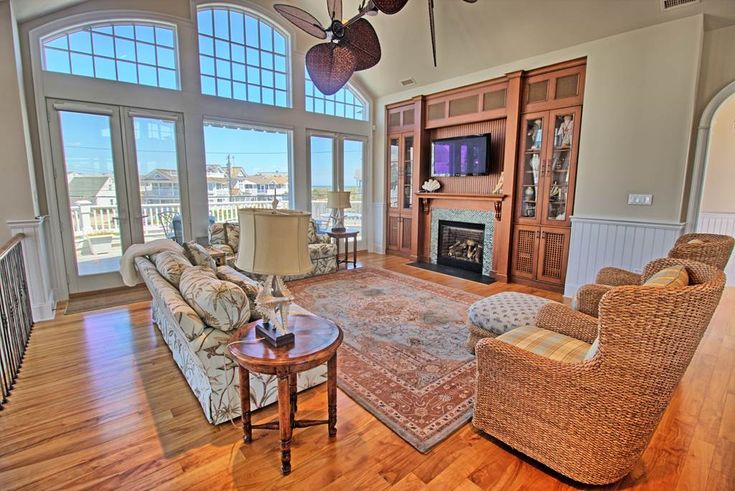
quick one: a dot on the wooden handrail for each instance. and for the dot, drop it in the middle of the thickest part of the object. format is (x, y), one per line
(9, 244)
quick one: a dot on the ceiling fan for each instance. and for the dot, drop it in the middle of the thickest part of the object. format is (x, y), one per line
(351, 45)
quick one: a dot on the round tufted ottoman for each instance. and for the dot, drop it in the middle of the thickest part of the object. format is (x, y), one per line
(498, 314)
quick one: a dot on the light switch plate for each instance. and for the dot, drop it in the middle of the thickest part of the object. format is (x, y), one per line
(640, 199)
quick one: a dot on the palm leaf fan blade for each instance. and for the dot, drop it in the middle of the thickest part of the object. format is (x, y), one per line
(301, 19)
(362, 39)
(330, 66)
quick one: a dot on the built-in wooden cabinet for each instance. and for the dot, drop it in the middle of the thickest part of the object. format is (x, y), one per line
(548, 146)
(400, 192)
(533, 118)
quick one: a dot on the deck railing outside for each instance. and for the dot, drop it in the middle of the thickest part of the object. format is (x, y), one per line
(15, 314)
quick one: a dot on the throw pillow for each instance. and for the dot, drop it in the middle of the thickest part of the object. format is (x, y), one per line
(673, 276)
(198, 255)
(171, 265)
(248, 285)
(232, 235)
(221, 304)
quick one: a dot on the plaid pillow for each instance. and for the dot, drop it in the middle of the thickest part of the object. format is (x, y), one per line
(673, 276)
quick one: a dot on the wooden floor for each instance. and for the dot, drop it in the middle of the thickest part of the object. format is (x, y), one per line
(100, 404)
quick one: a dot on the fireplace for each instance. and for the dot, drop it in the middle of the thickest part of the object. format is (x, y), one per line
(461, 245)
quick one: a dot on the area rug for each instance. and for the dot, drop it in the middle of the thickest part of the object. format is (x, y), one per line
(403, 357)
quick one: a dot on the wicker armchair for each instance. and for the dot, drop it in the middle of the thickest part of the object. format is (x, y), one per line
(591, 420)
(709, 249)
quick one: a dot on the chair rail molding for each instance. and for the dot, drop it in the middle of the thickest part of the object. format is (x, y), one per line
(720, 223)
(37, 265)
(629, 244)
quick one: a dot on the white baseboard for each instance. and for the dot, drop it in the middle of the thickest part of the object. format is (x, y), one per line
(600, 242)
(720, 223)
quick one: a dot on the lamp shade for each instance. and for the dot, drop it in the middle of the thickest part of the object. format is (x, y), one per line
(274, 242)
(338, 199)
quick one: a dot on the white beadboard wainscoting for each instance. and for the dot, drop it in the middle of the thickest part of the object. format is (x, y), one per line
(719, 223)
(600, 242)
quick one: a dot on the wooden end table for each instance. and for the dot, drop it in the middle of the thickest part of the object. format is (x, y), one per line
(316, 342)
(348, 234)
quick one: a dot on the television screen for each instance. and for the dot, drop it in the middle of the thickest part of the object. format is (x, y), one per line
(461, 156)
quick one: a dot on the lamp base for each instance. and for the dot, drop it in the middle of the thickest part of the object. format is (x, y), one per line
(270, 335)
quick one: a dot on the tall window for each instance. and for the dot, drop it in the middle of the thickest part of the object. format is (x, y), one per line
(135, 52)
(242, 56)
(345, 103)
(246, 167)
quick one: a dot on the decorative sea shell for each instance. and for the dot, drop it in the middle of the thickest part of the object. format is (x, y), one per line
(431, 185)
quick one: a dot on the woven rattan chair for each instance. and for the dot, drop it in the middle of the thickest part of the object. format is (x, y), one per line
(709, 249)
(592, 420)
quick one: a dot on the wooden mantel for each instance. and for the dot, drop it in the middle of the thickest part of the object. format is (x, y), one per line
(463, 196)
(425, 200)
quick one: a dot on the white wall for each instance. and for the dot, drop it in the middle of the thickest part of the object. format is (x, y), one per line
(636, 122)
(16, 190)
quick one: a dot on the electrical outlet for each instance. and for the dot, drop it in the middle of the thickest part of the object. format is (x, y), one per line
(640, 199)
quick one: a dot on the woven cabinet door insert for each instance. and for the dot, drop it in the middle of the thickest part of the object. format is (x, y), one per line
(526, 250)
(553, 250)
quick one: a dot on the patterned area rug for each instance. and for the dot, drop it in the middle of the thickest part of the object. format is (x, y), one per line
(403, 357)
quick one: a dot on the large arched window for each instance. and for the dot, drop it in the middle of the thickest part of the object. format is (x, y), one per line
(127, 51)
(345, 103)
(242, 56)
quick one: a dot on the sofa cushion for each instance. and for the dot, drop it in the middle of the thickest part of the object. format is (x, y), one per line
(318, 251)
(248, 285)
(547, 343)
(232, 236)
(673, 276)
(198, 255)
(221, 304)
(502, 312)
(171, 265)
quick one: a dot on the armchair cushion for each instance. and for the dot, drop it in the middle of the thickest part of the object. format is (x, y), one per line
(672, 276)
(547, 343)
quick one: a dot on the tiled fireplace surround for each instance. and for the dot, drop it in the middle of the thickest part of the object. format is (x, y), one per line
(486, 218)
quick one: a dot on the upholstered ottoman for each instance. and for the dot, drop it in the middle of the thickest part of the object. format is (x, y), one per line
(498, 314)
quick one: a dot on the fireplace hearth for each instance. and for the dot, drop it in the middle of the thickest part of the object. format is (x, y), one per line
(461, 245)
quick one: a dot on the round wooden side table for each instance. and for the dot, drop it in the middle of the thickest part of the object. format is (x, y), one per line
(350, 233)
(316, 342)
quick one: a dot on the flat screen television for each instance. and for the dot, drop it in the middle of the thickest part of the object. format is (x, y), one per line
(461, 156)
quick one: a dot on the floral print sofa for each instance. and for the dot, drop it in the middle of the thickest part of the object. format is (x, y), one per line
(200, 350)
(225, 236)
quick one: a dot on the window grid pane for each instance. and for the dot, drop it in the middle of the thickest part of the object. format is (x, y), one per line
(345, 103)
(117, 51)
(244, 55)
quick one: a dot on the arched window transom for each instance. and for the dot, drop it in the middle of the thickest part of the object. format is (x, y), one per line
(345, 103)
(242, 56)
(138, 52)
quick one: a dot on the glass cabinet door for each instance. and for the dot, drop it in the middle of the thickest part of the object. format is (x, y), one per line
(407, 171)
(532, 166)
(559, 166)
(394, 155)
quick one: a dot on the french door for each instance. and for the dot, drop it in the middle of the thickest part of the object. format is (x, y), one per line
(117, 182)
(337, 163)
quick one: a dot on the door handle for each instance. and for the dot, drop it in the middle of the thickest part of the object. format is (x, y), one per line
(543, 235)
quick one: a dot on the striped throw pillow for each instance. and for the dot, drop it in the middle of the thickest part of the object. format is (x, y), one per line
(673, 276)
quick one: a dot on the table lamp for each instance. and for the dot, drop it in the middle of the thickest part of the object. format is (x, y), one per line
(338, 201)
(274, 243)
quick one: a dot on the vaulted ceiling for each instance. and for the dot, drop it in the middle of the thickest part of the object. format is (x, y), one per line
(471, 37)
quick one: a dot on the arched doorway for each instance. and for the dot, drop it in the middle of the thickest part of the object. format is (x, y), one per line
(712, 201)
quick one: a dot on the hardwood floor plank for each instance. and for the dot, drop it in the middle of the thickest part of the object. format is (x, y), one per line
(100, 404)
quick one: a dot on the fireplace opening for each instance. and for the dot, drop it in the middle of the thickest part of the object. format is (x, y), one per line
(461, 245)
